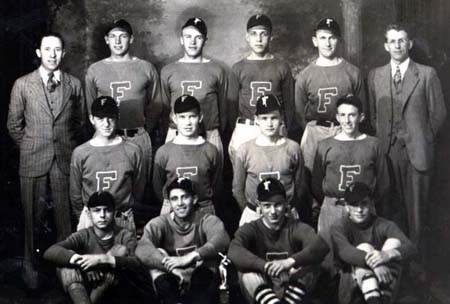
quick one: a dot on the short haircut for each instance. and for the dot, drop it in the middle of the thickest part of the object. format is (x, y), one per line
(350, 99)
(50, 34)
(398, 27)
(101, 199)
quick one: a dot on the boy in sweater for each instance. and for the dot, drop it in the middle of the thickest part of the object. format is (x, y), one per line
(278, 257)
(181, 248)
(93, 259)
(260, 73)
(107, 162)
(268, 155)
(187, 155)
(369, 248)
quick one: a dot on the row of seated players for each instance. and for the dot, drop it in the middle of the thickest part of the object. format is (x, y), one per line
(278, 257)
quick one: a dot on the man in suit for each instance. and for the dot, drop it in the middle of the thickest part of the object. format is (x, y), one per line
(407, 111)
(44, 121)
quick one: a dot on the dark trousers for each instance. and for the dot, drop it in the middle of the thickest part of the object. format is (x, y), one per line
(37, 193)
(410, 190)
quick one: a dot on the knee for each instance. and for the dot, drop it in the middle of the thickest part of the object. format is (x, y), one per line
(365, 247)
(70, 276)
(391, 243)
(166, 284)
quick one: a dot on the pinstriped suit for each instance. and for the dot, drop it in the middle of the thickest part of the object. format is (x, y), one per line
(46, 140)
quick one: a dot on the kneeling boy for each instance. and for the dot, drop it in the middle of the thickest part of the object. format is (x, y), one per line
(181, 248)
(369, 248)
(278, 257)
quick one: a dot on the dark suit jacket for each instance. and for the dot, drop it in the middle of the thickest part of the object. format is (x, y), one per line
(423, 110)
(40, 134)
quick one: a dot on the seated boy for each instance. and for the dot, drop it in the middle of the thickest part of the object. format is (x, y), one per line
(181, 248)
(107, 162)
(369, 248)
(278, 258)
(268, 155)
(93, 259)
(187, 155)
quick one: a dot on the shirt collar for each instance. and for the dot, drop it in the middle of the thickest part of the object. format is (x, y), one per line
(44, 74)
(403, 67)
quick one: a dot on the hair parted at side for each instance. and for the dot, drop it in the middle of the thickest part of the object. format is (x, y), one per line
(50, 34)
(399, 26)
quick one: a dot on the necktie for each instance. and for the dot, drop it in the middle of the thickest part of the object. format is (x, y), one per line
(51, 83)
(397, 77)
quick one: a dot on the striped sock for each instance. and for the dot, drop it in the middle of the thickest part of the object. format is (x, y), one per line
(265, 295)
(294, 293)
(369, 287)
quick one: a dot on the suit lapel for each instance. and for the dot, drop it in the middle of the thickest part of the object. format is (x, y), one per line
(66, 93)
(410, 81)
(36, 86)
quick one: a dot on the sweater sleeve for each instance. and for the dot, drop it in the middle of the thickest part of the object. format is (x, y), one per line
(217, 239)
(240, 254)
(407, 248)
(130, 261)
(61, 252)
(165, 101)
(314, 248)
(239, 178)
(382, 175)
(139, 179)
(301, 98)
(318, 174)
(153, 106)
(344, 249)
(287, 88)
(159, 175)
(90, 88)
(223, 99)
(147, 247)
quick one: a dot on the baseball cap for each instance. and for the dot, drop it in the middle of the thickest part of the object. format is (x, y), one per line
(186, 103)
(266, 104)
(198, 23)
(101, 199)
(268, 188)
(120, 23)
(259, 20)
(329, 24)
(105, 106)
(181, 183)
(356, 192)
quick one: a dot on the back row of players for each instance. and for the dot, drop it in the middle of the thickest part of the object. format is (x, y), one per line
(407, 110)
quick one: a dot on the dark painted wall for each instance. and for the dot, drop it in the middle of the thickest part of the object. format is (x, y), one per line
(156, 24)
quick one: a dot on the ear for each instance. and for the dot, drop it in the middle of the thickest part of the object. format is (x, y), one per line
(247, 37)
(131, 39)
(362, 117)
(200, 118)
(195, 199)
(410, 44)
(38, 53)
(386, 47)
(314, 41)
(91, 119)
(181, 40)
(256, 120)
(63, 54)
(106, 39)
(174, 117)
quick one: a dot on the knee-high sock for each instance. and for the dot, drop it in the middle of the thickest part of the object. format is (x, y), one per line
(294, 293)
(265, 295)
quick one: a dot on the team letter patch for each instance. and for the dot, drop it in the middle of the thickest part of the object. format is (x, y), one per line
(118, 89)
(187, 172)
(258, 89)
(104, 179)
(188, 87)
(347, 175)
(325, 98)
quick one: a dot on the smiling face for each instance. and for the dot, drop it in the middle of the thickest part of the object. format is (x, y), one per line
(398, 45)
(119, 42)
(102, 217)
(188, 123)
(359, 213)
(182, 203)
(51, 52)
(269, 124)
(274, 211)
(192, 41)
(326, 43)
(104, 126)
(349, 118)
(258, 38)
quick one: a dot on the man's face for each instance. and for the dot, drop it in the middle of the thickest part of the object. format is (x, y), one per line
(51, 53)
(105, 126)
(269, 124)
(188, 123)
(193, 42)
(326, 43)
(182, 203)
(102, 217)
(359, 213)
(118, 41)
(258, 38)
(349, 118)
(274, 211)
(398, 45)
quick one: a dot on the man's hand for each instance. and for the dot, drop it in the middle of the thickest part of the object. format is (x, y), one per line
(94, 276)
(276, 267)
(172, 262)
(376, 258)
(88, 261)
(383, 274)
(179, 274)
